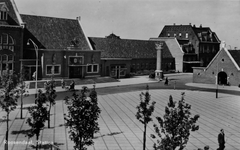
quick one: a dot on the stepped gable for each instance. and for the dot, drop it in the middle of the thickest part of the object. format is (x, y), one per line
(56, 33)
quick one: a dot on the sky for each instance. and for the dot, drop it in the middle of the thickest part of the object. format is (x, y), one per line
(142, 19)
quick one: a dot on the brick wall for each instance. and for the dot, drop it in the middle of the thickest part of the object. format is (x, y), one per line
(222, 63)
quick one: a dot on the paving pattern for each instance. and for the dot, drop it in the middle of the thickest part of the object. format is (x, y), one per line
(120, 130)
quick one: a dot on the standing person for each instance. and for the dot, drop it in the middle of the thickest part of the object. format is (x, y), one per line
(63, 83)
(34, 75)
(221, 140)
(72, 85)
(166, 81)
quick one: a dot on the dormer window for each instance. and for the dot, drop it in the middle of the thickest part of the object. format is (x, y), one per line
(186, 35)
(180, 34)
(3, 11)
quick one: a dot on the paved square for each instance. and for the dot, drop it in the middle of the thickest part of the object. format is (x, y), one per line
(120, 130)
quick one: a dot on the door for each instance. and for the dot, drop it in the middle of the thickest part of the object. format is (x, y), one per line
(222, 78)
(75, 72)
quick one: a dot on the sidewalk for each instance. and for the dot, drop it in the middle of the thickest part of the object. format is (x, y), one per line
(141, 80)
(125, 81)
(213, 86)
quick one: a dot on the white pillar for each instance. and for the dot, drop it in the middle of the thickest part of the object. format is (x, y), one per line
(158, 71)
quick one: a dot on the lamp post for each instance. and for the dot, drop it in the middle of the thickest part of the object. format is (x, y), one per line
(217, 81)
(36, 50)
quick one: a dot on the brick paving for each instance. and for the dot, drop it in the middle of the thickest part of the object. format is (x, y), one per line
(120, 130)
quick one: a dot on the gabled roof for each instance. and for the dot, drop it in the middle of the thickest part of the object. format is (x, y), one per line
(235, 55)
(205, 34)
(12, 13)
(175, 28)
(56, 33)
(127, 48)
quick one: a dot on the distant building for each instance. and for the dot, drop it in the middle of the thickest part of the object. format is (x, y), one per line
(224, 68)
(120, 57)
(199, 44)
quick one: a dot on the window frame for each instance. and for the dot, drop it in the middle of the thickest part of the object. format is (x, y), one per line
(8, 44)
(59, 65)
(92, 68)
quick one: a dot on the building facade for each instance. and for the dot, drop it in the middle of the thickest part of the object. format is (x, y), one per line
(120, 57)
(55, 46)
(199, 44)
(224, 69)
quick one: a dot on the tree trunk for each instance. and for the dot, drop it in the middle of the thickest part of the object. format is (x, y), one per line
(37, 136)
(21, 105)
(6, 144)
(144, 136)
(49, 115)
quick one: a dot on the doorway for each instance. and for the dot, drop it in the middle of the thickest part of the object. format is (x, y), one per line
(75, 72)
(222, 78)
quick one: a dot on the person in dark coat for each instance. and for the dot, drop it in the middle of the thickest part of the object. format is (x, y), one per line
(72, 85)
(166, 81)
(221, 140)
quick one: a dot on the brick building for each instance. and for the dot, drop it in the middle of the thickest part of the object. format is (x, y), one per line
(59, 46)
(199, 44)
(224, 67)
(119, 56)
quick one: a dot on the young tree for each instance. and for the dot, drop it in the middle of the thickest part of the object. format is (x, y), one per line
(23, 92)
(175, 126)
(83, 113)
(39, 115)
(51, 96)
(145, 110)
(9, 96)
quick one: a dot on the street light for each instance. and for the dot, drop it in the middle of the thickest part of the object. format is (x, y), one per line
(36, 50)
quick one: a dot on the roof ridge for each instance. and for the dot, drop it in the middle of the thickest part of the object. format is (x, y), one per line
(46, 17)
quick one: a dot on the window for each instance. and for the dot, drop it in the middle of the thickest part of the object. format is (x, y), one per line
(168, 34)
(3, 15)
(6, 62)
(175, 35)
(180, 34)
(6, 42)
(53, 69)
(92, 68)
(3, 11)
(186, 35)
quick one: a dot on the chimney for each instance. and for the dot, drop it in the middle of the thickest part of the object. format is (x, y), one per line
(79, 18)
(174, 24)
(190, 24)
(200, 26)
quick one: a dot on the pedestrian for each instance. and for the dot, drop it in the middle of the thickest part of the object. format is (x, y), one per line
(34, 75)
(221, 140)
(72, 85)
(63, 83)
(166, 81)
